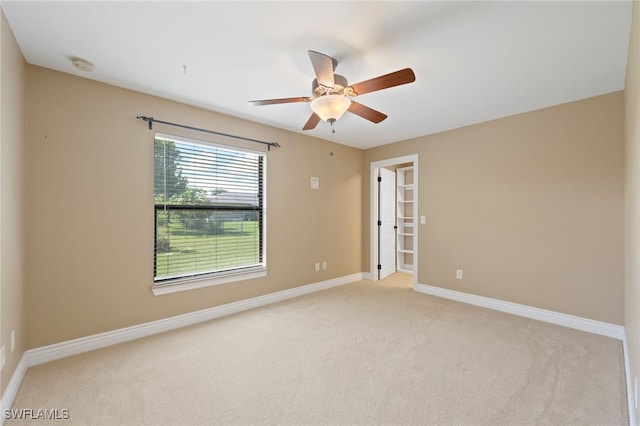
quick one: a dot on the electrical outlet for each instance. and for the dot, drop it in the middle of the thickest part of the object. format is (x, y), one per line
(317, 266)
(2, 360)
(13, 340)
(324, 265)
(459, 274)
(315, 183)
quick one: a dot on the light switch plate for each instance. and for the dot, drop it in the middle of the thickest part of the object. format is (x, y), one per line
(315, 183)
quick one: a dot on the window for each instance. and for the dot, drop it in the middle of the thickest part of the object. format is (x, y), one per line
(209, 211)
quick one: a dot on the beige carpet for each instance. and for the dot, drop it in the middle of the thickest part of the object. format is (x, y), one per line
(363, 353)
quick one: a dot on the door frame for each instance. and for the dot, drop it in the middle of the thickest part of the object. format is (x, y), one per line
(373, 212)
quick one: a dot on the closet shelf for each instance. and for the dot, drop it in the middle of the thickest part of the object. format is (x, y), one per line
(405, 218)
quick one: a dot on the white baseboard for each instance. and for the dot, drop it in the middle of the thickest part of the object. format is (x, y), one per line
(12, 387)
(571, 321)
(89, 343)
(579, 323)
(85, 344)
(630, 385)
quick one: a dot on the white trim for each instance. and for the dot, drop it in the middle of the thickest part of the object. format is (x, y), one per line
(630, 385)
(373, 235)
(571, 321)
(258, 271)
(565, 320)
(194, 283)
(11, 390)
(61, 350)
(85, 344)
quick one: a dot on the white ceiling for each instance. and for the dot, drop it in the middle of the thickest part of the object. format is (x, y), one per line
(474, 61)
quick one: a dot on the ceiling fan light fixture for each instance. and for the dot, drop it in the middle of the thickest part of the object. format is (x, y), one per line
(330, 107)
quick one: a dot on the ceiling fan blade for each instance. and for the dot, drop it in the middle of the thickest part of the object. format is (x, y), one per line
(312, 122)
(280, 101)
(384, 82)
(366, 112)
(323, 66)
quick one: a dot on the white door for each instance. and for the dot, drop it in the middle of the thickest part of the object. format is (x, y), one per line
(386, 223)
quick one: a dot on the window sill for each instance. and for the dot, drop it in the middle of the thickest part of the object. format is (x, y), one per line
(194, 283)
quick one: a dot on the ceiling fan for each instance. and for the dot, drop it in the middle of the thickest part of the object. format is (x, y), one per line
(331, 92)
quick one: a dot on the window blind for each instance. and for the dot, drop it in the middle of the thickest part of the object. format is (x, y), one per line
(209, 209)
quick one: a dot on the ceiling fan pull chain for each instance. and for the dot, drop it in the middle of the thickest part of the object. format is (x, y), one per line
(332, 120)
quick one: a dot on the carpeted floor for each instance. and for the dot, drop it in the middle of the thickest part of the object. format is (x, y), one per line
(362, 353)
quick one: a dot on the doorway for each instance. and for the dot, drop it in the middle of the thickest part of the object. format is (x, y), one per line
(384, 254)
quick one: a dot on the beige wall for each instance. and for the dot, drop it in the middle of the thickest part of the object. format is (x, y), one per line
(632, 197)
(529, 206)
(12, 94)
(90, 208)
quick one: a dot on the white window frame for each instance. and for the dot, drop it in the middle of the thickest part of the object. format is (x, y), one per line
(174, 285)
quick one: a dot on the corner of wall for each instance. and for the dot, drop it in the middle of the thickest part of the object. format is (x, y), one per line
(632, 211)
(12, 135)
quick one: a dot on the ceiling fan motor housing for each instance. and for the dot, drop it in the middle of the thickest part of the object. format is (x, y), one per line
(339, 85)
